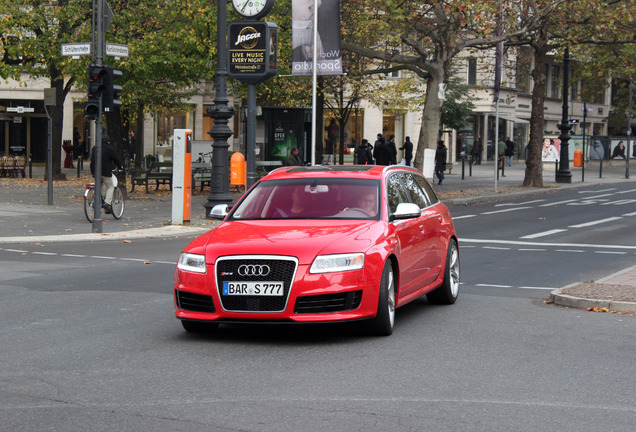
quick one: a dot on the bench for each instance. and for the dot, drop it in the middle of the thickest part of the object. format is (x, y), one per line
(201, 173)
(13, 166)
(154, 173)
(264, 167)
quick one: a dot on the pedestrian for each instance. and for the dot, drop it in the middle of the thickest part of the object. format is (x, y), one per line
(510, 151)
(501, 152)
(440, 161)
(476, 151)
(408, 151)
(370, 149)
(362, 155)
(110, 161)
(392, 147)
(294, 159)
(381, 153)
(76, 142)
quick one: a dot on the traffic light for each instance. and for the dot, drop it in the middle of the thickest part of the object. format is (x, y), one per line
(112, 90)
(96, 86)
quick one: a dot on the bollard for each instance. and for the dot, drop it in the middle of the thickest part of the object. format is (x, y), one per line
(470, 167)
(600, 168)
(463, 163)
(79, 164)
(503, 166)
(556, 169)
(30, 166)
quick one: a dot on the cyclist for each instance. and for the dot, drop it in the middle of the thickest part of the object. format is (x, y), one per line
(110, 161)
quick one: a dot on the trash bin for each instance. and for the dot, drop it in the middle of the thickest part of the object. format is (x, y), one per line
(237, 170)
(578, 158)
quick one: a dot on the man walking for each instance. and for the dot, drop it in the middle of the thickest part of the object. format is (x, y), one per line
(408, 151)
(510, 151)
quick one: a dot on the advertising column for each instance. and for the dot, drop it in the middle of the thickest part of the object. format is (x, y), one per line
(181, 176)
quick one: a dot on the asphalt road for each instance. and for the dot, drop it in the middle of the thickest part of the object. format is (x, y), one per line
(89, 340)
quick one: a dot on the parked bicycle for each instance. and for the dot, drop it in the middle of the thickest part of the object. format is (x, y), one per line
(117, 205)
(204, 157)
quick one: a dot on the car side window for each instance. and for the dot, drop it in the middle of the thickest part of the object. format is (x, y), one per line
(430, 193)
(418, 196)
(396, 194)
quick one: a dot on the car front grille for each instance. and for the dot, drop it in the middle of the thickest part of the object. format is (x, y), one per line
(328, 303)
(194, 302)
(281, 269)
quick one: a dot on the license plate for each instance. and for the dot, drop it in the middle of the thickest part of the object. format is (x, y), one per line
(253, 288)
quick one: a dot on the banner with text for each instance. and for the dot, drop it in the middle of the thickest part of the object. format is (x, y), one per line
(329, 61)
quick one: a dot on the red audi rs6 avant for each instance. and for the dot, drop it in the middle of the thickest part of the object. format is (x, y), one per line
(321, 244)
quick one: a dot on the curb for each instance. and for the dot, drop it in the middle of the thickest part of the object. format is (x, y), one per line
(166, 231)
(566, 300)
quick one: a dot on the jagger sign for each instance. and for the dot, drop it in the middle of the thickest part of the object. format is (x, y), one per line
(252, 51)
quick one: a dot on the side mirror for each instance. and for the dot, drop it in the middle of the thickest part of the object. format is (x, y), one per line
(406, 211)
(219, 211)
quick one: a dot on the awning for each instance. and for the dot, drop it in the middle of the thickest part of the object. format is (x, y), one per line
(514, 119)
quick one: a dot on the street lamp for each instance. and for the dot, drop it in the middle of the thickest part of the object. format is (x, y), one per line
(564, 175)
(221, 112)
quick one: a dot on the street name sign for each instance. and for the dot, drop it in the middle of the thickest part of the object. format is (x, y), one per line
(76, 49)
(116, 50)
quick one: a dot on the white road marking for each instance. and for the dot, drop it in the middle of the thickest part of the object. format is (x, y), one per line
(537, 288)
(516, 204)
(569, 250)
(505, 210)
(630, 214)
(558, 202)
(543, 234)
(73, 256)
(532, 250)
(497, 248)
(610, 252)
(463, 217)
(596, 222)
(44, 253)
(494, 286)
(574, 245)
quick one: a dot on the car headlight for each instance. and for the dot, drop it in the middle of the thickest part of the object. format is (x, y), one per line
(337, 263)
(192, 263)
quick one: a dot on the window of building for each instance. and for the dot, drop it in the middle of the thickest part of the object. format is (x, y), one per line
(472, 71)
(554, 88)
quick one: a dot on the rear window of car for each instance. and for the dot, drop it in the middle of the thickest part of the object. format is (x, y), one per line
(311, 199)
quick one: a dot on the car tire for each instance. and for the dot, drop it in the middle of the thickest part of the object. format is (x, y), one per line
(382, 324)
(448, 292)
(198, 326)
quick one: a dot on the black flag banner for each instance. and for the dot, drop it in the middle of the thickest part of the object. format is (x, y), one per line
(329, 50)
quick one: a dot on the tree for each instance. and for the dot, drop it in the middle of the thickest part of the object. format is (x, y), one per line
(580, 25)
(425, 38)
(170, 41)
(31, 34)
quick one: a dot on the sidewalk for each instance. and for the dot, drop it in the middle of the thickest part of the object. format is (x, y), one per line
(25, 216)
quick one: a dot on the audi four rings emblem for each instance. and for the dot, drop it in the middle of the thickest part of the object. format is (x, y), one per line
(253, 270)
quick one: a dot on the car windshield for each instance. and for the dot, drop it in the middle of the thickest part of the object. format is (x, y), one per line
(311, 199)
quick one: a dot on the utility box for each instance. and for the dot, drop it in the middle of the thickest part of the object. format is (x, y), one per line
(428, 168)
(181, 176)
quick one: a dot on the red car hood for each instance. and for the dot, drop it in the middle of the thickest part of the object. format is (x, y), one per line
(302, 239)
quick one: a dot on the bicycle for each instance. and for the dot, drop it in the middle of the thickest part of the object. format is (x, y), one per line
(117, 205)
(204, 157)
